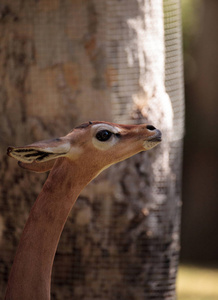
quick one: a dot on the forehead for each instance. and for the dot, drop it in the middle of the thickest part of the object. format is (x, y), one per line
(98, 124)
(94, 126)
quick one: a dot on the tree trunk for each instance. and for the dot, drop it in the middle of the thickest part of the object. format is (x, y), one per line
(65, 62)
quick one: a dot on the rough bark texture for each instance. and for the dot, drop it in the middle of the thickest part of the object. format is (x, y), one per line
(63, 62)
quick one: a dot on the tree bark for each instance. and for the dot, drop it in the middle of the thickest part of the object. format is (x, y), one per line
(65, 62)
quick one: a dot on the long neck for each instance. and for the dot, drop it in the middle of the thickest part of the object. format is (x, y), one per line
(31, 271)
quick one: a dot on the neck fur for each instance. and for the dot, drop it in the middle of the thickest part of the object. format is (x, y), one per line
(30, 275)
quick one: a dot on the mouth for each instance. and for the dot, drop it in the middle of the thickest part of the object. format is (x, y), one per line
(157, 137)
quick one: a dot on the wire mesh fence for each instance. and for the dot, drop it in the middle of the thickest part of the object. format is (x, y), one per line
(122, 239)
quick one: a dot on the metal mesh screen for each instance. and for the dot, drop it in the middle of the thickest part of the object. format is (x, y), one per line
(175, 86)
(174, 64)
(161, 281)
(124, 78)
(146, 250)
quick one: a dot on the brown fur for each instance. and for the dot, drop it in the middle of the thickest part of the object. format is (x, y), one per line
(31, 271)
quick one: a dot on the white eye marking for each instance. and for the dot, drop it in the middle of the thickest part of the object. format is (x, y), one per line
(104, 136)
(102, 126)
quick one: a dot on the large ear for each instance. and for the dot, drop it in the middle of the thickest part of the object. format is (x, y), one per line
(42, 153)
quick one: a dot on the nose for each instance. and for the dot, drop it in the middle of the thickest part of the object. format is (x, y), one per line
(158, 135)
(150, 127)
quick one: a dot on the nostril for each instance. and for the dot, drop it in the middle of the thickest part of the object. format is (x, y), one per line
(150, 127)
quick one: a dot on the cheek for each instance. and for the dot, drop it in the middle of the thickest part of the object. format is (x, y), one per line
(127, 150)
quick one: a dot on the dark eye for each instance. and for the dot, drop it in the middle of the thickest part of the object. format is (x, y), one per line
(103, 135)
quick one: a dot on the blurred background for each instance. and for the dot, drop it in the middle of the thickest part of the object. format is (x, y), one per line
(200, 190)
(199, 232)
